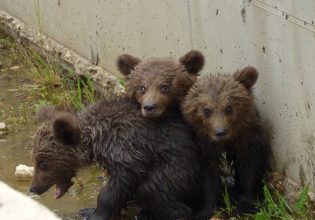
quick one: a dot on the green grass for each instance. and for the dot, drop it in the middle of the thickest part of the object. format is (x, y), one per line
(80, 90)
(39, 18)
(229, 206)
(274, 207)
(300, 205)
(42, 72)
(122, 83)
(51, 86)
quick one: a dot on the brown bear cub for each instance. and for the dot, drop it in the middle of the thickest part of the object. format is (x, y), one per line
(159, 84)
(153, 162)
(222, 110)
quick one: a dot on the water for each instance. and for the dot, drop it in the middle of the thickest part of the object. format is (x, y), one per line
(17, 111)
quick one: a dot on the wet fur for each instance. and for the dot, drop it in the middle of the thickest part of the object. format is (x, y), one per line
(154, 73)
(151, 161)
(244, 142)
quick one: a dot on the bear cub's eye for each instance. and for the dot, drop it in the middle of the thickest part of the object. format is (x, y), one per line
(42, 165)
(207, 112)
(164, 88)
(142, 89)
(228, 109)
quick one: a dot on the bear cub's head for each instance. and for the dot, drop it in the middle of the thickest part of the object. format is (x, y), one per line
(54, 151)
(158, 84)
(221, 106)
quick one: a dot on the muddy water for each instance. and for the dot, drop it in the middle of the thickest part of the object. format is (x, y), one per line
(17, 111)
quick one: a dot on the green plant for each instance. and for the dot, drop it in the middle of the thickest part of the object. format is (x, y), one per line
(43, 72)
(88, 90)
(229, 207)
(38, 17)
(300, 206)
(76, 96)
(275, 206)
(3, 42)
(122, 83)
(81, 92)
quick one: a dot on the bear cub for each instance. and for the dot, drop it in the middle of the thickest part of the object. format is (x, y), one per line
(222, 110)
(152, 162)
(159, 84)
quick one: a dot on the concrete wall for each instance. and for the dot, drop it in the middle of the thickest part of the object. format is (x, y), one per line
(276, 36)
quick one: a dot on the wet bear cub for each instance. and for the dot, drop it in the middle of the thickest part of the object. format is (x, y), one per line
(159, 84)
(152, 162)
(222, 110)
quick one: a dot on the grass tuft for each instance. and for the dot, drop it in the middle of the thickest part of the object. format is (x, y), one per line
(274, 207)
(300, 206)
(51, 85)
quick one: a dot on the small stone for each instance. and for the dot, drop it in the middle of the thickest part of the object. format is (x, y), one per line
(2, 126)
(13, 90)
(15, 68)
(23, 172)
(68, 54)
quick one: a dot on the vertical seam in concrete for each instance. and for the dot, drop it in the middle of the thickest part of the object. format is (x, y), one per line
(190, 24)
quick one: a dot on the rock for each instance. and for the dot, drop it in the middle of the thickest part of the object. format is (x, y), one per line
(68, 54)
(15, 205)
(23, 172)
(15, 68)
(2, 126)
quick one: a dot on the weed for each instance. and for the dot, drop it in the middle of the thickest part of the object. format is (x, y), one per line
(42, 72)
(79, 91)
(229, 207)
(122, 83)
(47, 75)
(300, 206)
(275, 206)
(38, 17)
(50, 88)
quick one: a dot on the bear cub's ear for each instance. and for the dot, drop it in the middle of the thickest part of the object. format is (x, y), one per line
(126, 63)
(246, 76)
(46, 113)
(193, 61)
(67, 128)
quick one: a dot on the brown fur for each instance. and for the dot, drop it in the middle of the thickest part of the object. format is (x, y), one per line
(216, 93)
(60, 129)
(151, 161)
(159, 83)
(221, 108)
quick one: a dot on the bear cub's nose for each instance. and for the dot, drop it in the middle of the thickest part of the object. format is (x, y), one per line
(219, 132)
(149, 107)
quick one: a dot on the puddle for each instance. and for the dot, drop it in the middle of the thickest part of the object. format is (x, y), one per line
(17, 111)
